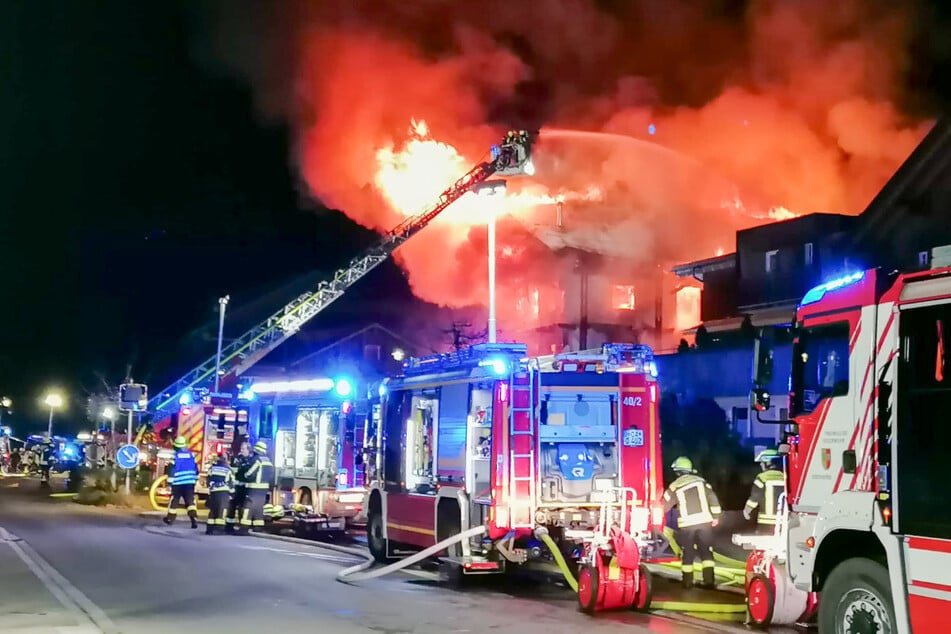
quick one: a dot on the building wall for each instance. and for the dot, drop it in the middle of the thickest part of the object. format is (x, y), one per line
(725, 376)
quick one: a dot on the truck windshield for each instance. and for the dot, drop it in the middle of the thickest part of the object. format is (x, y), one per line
(820, 366)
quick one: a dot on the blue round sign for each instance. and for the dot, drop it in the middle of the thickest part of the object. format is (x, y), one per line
(127, 456)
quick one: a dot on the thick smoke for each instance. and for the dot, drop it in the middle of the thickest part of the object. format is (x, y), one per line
(763, 109)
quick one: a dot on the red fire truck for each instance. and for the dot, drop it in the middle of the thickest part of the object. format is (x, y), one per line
(318, 428)
(869, 524)
(483, 437)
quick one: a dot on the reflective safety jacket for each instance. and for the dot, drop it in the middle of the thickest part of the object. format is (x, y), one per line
(185, 470)
(47, 455)
(767, 487)
(694, 500)
(239, 466)
(260, 474)
(220, 478)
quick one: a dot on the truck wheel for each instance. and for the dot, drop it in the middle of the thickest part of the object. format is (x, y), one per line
(645, 590)
(856, 598)
(588, 589)
(760, 601)
(375, 540)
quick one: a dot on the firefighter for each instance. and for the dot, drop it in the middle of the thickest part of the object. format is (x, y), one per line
(239, 466)
(220, 488)
(182, 480)
(768, 486)
(257, 479)
(47, 456)
(696, 510)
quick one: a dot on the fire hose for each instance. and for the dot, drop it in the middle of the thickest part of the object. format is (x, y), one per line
(542, 533)
(362, 572)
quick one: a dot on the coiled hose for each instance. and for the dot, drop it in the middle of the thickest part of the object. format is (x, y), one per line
(362, 572)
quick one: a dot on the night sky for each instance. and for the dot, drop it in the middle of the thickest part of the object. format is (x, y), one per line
(138, 185)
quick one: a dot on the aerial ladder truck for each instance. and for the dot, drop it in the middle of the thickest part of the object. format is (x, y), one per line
(213, 416)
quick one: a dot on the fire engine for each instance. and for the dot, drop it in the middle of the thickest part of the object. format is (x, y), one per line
(318, 426)
(483, 436)
(869, 527)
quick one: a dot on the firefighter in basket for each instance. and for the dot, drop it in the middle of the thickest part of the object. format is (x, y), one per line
(220, 488)
(695, 511)
(182, 480)
(239, 465)
(257, 480)
(768, 486)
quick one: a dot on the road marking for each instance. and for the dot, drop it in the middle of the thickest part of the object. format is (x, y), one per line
(91, 619)
(293, 553)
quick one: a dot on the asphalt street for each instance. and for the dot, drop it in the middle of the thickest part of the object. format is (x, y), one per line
(71, 569)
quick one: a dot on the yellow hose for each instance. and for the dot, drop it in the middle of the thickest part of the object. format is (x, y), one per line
(692, 606)
(556, 553)
(153, 490)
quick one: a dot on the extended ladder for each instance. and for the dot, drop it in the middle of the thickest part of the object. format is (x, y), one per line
(522, 476)
(512, 157)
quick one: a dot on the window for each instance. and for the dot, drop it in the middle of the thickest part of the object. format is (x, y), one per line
(420, 447)
(820, 365)
(923, 432)
(923, 259)
(807, 254)
(772, 259)
(622, 298)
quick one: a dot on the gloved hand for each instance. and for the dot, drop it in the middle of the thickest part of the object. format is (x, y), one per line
(746, 514)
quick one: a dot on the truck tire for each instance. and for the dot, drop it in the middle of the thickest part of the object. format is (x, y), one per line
(857, 598)
(375, 540)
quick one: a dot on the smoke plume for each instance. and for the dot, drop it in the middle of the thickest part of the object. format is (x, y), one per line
(719, 115)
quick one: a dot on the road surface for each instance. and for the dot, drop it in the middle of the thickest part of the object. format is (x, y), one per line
(70, 569)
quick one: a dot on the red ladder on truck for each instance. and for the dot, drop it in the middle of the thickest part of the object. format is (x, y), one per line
(522, 450)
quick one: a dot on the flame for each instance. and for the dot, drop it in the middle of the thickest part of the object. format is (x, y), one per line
(411, 178)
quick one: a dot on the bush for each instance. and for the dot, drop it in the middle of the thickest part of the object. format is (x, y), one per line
(97, 490)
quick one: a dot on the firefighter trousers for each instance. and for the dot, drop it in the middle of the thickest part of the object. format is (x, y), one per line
(697, 544)
(252, 515)
(184, 493)
(238, 500)
(44, 474)
(218, 503)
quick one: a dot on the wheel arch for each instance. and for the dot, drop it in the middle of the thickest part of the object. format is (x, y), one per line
(840, 545)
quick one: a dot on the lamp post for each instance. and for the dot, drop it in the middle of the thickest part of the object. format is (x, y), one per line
(222, 304)
(490, 189)
(54, 401)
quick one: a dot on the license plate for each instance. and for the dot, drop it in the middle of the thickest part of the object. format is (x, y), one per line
(633, 438)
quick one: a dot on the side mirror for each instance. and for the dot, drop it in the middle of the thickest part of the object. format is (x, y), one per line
(759, 399)
(763, 371)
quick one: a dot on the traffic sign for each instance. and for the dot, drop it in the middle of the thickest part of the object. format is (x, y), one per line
(127, 456)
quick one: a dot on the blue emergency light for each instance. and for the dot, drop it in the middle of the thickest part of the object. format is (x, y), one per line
(343, 387)
(817, 293)
(496, 364)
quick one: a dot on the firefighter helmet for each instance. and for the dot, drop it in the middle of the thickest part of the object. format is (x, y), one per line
(767, 456)
(683, 464)
(260, 447)
(47, 441)
(180, 442)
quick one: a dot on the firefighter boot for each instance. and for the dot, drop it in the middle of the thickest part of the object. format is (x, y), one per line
(687, 577)
(708, 579)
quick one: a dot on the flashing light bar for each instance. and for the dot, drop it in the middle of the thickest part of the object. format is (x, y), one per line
(817, 293)
(480, 354)
(302, 385)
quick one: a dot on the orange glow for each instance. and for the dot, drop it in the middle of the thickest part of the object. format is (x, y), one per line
(622, 297)
(688, 307)
(412, 177)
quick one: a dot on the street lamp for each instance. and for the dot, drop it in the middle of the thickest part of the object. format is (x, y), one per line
(490, 189)
(222, 304)
(53, 401)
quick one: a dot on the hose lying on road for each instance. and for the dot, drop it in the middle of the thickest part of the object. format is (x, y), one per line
(542, 534)
(698, 606)
(362, 572)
